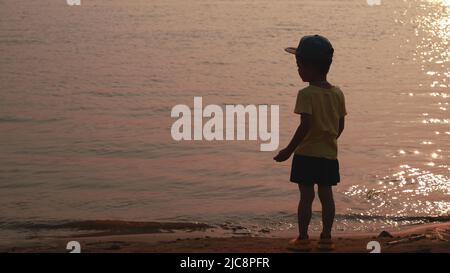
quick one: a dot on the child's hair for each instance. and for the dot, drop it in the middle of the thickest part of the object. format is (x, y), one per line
(322, 66)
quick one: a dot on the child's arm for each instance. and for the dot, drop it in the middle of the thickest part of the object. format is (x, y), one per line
(300, 133)
(341, 126)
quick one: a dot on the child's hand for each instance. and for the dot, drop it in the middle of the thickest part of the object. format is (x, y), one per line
(283, 155)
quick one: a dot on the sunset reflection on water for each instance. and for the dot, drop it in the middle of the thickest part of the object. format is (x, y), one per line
(420, 186)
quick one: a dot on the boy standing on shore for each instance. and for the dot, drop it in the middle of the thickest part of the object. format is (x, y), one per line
(314, 144)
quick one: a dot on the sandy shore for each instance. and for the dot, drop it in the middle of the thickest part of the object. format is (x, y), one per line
(422, 238)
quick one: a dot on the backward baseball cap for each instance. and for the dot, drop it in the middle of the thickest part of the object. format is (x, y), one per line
(313, 48)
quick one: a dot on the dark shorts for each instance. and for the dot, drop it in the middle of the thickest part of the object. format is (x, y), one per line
(314, 170)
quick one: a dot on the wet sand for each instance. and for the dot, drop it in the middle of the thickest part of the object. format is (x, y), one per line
(195, 238)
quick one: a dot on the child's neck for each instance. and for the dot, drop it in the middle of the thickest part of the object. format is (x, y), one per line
(321, 82)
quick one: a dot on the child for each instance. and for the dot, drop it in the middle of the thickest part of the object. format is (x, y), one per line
(314, 144)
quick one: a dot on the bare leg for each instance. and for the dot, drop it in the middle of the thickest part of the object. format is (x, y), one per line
(328, 210)
(305, 209)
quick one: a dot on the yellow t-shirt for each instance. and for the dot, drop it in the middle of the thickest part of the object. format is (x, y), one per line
(326, 106)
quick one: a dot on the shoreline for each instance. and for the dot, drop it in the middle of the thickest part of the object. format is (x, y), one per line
(422, 238)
